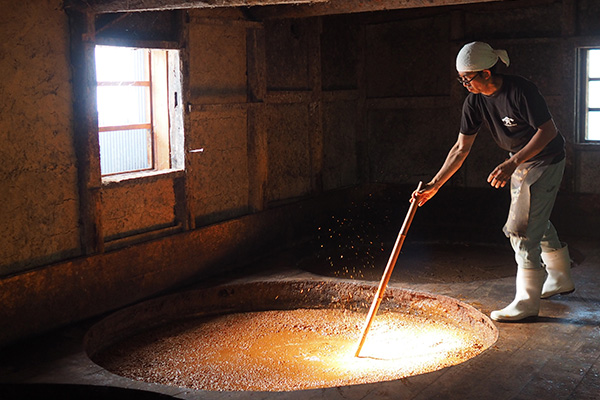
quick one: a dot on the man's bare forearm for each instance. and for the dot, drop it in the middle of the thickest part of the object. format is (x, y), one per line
(455, 159)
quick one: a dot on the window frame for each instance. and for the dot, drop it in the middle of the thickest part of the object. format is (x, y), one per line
(148, 125)
(165, 110)
(582, 85)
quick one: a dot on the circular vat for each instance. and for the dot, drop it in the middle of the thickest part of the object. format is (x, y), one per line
(287, 335)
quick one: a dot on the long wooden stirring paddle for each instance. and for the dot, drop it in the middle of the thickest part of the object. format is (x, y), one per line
(388, 271)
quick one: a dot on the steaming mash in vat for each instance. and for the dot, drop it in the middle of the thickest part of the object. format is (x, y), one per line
(281, 336)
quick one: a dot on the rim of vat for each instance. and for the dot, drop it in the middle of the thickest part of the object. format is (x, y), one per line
(281, 295)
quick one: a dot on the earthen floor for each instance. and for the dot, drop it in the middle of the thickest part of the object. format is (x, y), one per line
(556, 356)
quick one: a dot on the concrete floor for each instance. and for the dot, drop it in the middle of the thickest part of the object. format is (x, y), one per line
(556, 356)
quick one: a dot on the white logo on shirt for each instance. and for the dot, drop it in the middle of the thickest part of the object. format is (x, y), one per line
(509, 122)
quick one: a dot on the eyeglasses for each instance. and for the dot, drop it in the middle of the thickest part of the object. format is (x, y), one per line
(464, 81)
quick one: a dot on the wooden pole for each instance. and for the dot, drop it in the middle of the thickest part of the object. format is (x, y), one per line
(388, 271)
(85, 130)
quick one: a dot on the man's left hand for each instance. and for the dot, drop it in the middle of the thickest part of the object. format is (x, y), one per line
(501, 174)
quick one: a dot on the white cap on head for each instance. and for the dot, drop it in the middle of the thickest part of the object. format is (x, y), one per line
(477, 56)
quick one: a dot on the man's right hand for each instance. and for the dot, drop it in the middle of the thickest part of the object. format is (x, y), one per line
(422, 196)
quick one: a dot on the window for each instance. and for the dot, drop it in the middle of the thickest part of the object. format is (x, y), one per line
(140, 124)
(589, 95)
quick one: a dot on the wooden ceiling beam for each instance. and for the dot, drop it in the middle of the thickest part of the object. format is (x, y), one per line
(275, 9)
(352, 6)
(114, 6)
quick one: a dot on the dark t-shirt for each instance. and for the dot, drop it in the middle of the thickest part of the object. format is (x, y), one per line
(513, 115)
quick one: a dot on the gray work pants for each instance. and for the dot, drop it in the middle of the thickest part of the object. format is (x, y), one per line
(533, 192)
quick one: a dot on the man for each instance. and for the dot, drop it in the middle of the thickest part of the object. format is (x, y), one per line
(518, 117)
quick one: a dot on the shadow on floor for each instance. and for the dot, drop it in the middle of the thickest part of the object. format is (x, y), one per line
(75, 392)
(419, 262)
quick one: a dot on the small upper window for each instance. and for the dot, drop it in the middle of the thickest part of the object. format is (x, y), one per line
(589, 95)
(139, 111)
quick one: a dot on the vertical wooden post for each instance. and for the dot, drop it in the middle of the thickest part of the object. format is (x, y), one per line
(85, 128)
(188, 214)
(315, 107)
(362, 110)
(571, 66)
(258, 155)
(256, 67)
(569, 18)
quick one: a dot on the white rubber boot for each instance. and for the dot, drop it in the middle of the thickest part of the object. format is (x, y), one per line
(558, 267)
(527, 298)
